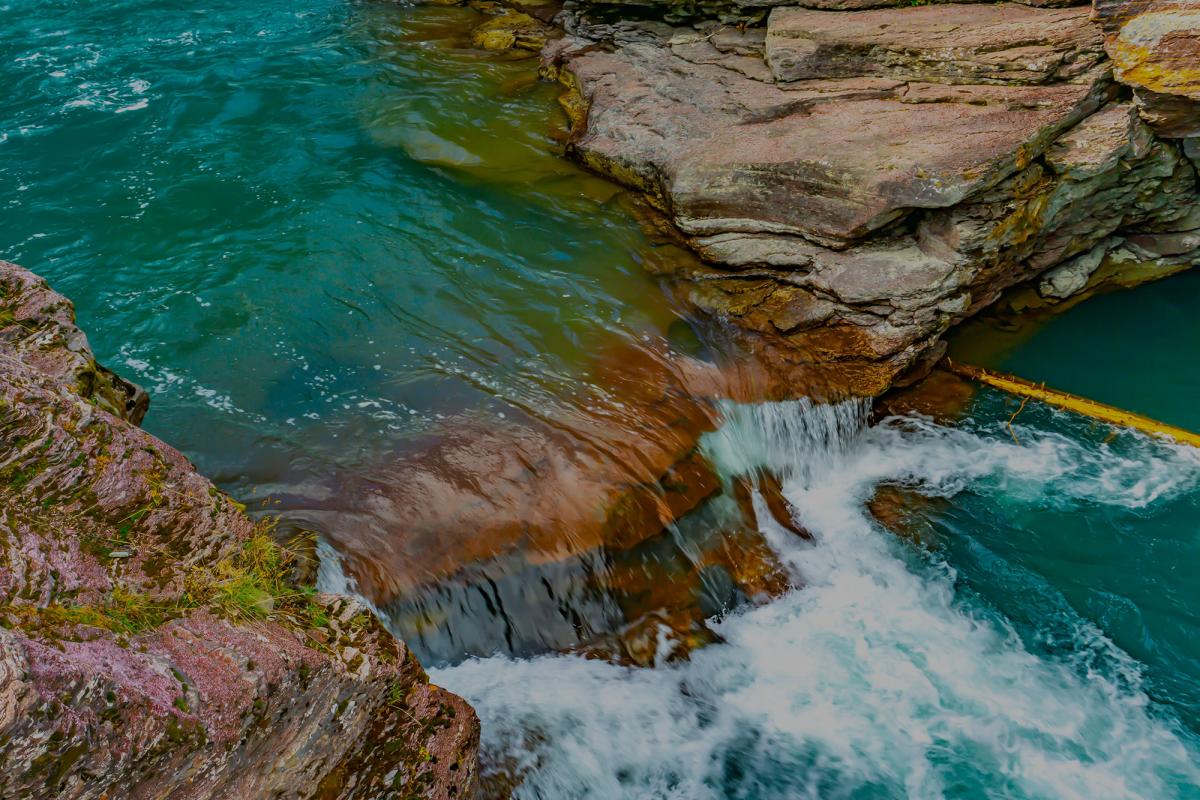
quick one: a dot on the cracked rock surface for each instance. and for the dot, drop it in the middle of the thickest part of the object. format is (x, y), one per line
(858, 180)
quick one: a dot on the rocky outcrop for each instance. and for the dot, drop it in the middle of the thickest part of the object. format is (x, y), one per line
(1155, 48)
(37, 327)
(1004, 44)
(743, 11)
(154, 642)
(858, 181)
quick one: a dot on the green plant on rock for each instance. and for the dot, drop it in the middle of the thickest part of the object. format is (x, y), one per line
(253, 584)
(122, 611)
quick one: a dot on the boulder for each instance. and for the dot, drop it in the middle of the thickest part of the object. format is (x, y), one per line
(153, 642)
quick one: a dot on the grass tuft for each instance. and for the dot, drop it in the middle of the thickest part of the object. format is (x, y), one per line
(253, 584)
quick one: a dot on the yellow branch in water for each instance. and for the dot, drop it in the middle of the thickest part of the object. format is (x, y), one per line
(1070, 402)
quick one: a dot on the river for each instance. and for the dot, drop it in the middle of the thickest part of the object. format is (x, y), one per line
(318, 232)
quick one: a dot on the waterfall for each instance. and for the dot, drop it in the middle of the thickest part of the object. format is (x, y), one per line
(879, 678)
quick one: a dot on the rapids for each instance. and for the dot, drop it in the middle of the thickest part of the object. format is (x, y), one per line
(888, 674)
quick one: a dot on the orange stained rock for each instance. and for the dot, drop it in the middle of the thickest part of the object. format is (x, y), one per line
(905, 512)
(609, 468)
(941, 395)
(771, 492)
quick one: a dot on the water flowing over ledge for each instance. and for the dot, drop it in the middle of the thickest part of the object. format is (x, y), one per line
(882, 676)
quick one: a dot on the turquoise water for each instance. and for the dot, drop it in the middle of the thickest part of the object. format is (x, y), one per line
(897, 670)
(309, 229)
(316, 232)
(1133, 572)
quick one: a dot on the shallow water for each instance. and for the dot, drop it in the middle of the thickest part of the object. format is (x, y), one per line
(317, 233)
(308, 229)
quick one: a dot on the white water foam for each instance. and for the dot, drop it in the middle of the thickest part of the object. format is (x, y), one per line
(876, 679)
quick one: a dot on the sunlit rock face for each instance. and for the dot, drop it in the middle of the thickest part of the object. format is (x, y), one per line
(1155, 48)
(154, 642)
(962, 44)
(859, 181)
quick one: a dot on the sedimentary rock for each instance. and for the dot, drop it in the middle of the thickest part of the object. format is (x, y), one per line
(609, 470)
(1155, 48)
(38, 330)
(463, 540)
(1001, 43)
(862, 180)
(153, 644)
(743, 11)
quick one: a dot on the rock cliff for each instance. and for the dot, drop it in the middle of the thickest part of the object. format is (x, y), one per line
(154, 641)
(859, 176)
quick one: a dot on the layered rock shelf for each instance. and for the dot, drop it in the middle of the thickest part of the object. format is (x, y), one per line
(860, 178)
(156, 642)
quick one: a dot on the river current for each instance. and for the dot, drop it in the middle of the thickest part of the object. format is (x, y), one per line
(316, 232)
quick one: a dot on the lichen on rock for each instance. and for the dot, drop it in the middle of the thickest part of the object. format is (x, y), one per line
(152, 640)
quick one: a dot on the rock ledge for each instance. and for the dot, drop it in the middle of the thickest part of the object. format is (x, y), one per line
(153, 642)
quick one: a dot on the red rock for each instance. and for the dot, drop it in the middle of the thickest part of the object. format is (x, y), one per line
(127, 677)
(614, 471)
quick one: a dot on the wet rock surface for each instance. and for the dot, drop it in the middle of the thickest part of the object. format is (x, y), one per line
(559, 528)
(548, 484)
(153, 641)
(859, 181)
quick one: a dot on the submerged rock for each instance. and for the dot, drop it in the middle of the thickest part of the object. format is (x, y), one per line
(511, 29)
(861, 180)
(153, 644)
(606, 471)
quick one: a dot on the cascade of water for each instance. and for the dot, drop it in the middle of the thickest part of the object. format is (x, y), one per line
(878, 678)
